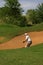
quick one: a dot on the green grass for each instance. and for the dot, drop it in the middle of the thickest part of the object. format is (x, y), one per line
(24, 56)
(9, 31)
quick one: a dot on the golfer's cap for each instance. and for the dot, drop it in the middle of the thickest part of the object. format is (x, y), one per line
(25, 33)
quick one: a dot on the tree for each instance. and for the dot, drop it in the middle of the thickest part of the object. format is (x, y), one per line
(35, 15)
(40, 12)
(31, 16)
(14, 13)
(23, 21)
(14, 7)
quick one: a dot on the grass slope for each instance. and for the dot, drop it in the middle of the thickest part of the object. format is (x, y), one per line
(24, 56)
(12, 30)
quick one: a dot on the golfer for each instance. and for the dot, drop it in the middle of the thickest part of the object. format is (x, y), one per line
(28, 40)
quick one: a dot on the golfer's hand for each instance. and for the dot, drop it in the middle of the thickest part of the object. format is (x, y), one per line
(23, 41)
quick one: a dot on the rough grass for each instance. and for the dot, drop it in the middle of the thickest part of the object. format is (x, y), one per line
(13, 30)
(24, 56)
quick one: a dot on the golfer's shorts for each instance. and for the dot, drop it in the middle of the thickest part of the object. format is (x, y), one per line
(29, 42)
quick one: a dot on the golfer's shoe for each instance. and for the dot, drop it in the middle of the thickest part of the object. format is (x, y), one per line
(25, 46)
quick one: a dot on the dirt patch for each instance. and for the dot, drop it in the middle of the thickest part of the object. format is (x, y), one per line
(17, 42)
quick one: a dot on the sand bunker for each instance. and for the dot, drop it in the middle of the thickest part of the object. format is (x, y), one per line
(17, 42)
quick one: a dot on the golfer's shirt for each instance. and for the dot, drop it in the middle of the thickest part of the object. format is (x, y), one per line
(28, 38)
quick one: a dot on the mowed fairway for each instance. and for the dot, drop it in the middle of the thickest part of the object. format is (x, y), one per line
(24, 56)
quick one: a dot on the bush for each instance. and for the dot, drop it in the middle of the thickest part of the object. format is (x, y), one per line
(23, 21)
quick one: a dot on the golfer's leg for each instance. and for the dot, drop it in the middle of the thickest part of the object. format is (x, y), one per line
(26, 45)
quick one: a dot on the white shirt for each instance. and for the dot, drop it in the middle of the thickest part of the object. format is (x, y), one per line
(28, 38)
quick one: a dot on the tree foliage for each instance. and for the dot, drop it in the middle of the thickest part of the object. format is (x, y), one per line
(31, 16)
(35, 15)
(14, 7)
(23, 21)
(40, 12)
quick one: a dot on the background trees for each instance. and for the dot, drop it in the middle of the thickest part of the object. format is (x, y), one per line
(35, 15)
(14, 7)
(31, 16)
(40, 12)
(11, 13)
